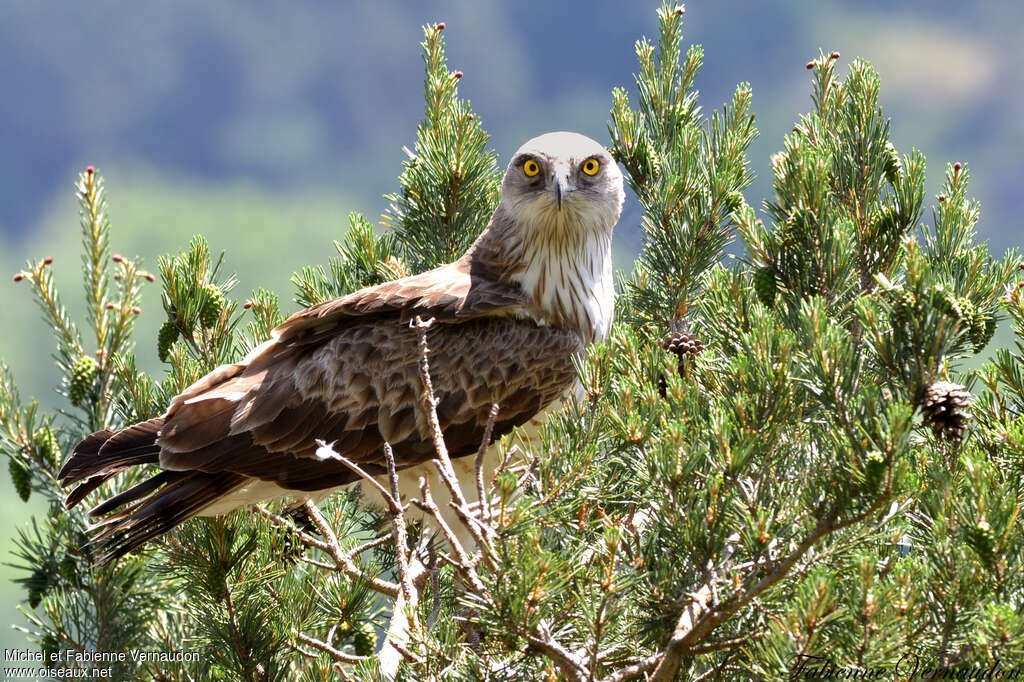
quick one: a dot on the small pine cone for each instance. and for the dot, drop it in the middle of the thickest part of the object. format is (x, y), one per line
(968, 312)
(893, 165)
(83, 375)
(68, 570)
(982, 329)
(945, 409)
(215, 302)
(887, 220)
(983, 541)
(682, 343)
(796, 225)
(733, 201)
(905, 309)
(21, 478)
(947, 302)
(766, 285)
(365, 640)
(874, 470)
(165, 339)
(47, 446)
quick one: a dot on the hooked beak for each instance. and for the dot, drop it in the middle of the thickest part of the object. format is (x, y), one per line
(562, 188)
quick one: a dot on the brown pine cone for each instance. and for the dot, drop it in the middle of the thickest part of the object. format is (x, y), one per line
(945, 409)
(682, 343)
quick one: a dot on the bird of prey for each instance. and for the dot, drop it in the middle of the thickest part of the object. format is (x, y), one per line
(509, 316)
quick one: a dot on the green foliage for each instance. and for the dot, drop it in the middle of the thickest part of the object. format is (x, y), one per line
(788, 489)
(687, 172)
(364, 259)
(449, 182)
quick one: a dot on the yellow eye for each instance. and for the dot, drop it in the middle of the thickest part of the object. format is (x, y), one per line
(591, 166)
(531, 168)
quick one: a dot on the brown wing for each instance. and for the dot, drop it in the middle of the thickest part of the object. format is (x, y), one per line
(360, 388)
(458, 291)
(345, 372)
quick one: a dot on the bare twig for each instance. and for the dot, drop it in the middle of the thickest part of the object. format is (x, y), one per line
(485, 442)
(325, 451)
(634, 669)
(699, 618)
(334, 653)
(462, 558)
(343, 561)
(340, 671)
(724, 644)
(403, 622)
(700, 601)
(398, 530)
(369, 544)
(443, 461)
(570, 665)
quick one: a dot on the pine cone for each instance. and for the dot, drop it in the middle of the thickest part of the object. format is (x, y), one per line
(982, 331)
(285, 544)
(796, 225)
(893, 165)
(874, 470)
(215, 302)
(887, 220)
(947, 302)
(47, 446)
(945, 409)
(765, 284)
(365, 640)
(682, 343)
(68, 570)
(983, 541)
(733, 201)
(83, 374)
(905, 308)
(968, 313)
(21, 478)
(165, 339)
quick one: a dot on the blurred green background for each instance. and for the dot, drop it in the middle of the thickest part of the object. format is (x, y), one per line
(261, 125)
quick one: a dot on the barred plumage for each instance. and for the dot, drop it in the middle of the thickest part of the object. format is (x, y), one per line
(510, 315)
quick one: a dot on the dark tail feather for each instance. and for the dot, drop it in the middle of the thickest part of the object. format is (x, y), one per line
(134, 493)
(155, 505)
(106, 453)
(183, 495)
(79, 493)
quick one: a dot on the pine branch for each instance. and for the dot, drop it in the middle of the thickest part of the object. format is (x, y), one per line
(449, 182)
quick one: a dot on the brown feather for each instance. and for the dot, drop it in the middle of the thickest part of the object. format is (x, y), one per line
(347, 371)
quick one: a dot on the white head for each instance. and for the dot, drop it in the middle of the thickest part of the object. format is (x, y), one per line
(561, 196)
(565, 180)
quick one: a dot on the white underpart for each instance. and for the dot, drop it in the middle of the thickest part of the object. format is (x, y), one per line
(568, 257)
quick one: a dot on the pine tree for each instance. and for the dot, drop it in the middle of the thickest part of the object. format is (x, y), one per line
(774, 466)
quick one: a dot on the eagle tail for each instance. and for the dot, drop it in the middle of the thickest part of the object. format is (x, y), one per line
(160, 503)
(156, 505)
